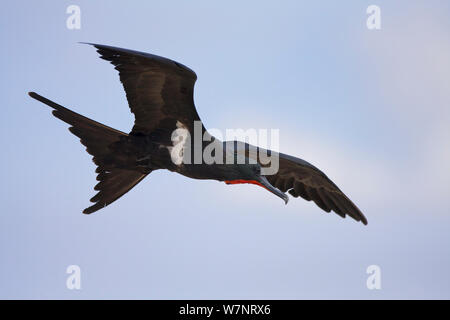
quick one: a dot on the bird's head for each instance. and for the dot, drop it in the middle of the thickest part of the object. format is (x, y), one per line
(251, 173)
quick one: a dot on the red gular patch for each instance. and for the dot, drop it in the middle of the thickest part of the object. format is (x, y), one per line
(245, 181)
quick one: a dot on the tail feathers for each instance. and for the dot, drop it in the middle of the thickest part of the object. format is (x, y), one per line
(112, 186)
(97, 138)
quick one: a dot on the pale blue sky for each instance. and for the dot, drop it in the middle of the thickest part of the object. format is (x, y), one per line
(370, 108)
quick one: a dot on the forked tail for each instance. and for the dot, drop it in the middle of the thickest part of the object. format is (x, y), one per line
(113, 182)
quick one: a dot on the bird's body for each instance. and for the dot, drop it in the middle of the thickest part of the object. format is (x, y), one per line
(160, 94)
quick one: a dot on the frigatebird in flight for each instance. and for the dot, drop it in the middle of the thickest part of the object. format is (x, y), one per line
(160, 93)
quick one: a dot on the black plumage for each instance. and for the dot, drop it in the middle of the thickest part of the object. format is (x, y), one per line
(160, 93)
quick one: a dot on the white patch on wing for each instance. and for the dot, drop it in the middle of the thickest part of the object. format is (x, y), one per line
(179, 138)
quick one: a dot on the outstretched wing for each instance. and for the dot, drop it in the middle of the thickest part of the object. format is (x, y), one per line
(301, 178)
(160, 91)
